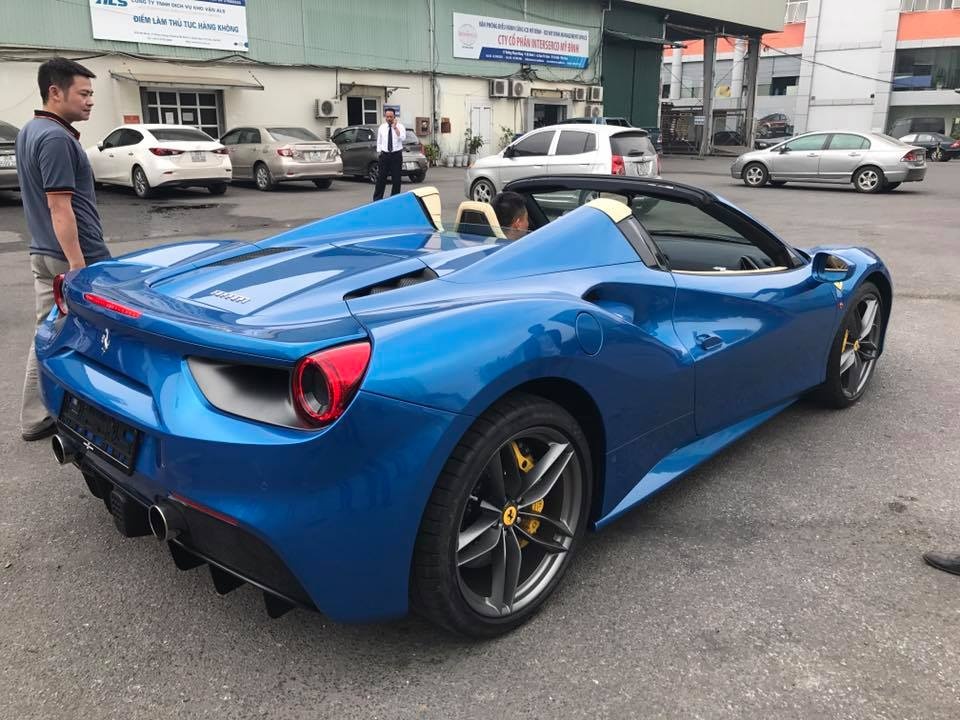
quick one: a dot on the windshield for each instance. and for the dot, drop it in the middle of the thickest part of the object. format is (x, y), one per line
(8, 133)
(180, 134)
(291, 134)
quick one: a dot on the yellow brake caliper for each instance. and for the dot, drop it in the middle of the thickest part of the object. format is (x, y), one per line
(525, 463)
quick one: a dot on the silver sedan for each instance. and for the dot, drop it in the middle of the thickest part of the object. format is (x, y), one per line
(273, 154)
(871, 161)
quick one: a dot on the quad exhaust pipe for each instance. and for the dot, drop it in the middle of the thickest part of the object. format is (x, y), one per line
(65, 450)
(166, 521)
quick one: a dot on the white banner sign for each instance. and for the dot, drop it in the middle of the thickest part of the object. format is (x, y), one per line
(216, 24)
(486, 38)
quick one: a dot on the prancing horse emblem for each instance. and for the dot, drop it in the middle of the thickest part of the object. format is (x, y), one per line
(105, 340)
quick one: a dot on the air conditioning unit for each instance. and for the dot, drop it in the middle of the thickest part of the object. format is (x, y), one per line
(519, 89)
(579, 94)
(328, 108)
(595, 93)
(498, 88)
(594, 110)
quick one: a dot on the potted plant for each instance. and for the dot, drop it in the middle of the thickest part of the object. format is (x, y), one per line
(432, 152)
(471, 143)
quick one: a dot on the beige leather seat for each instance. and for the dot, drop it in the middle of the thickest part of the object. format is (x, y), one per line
(477, 218)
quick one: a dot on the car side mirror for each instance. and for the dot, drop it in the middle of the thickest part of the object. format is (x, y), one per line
(829, 268)
(509, 152)
(100, 146)
(784, 149)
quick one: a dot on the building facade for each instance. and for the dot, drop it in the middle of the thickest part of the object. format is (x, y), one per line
(485, 67)
(858, 64)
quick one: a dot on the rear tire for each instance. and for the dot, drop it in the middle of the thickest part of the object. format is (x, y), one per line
(482, 565)
(373, 171)
(755, 175)
(218, 189)
(937, 155)
(418, 177)
(323, 183)
(141, 186)
(869, 179)
(263, 177)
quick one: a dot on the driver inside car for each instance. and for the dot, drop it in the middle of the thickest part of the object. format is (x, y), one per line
(511, 211)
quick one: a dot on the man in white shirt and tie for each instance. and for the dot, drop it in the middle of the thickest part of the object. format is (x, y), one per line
(390, 137)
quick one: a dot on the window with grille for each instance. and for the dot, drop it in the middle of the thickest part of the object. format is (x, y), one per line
(195, 108)
(796, 11)
(924, 5)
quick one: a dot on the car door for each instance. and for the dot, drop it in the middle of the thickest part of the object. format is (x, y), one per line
(756, 324)
(842, 155)
(344, 141)
(526, 157)
(797, 159)
(574, 153)
(364, 149)
(231, 142)
(924, 140)
(246, 152)
(105, 163)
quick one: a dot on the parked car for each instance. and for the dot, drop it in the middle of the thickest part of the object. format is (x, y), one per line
(280, 413)
(8, 157)
(563, 149)
(906, 126)
(939, 147)
(774, 124)
(148, 157)
(871, 161)
(770, 141)
(271, 154)
(358, 147)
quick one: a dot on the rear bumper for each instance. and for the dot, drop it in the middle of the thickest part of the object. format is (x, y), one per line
(293, 170)
(8, 179)
(326, 519)
(185, 177)
(908, 174)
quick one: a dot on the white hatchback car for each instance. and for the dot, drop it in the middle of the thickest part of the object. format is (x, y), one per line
(565, 150)
(146, 157)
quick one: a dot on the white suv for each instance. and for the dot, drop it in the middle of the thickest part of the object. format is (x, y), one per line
(565, 150)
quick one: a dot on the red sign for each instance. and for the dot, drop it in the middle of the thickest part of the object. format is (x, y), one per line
(131, 119)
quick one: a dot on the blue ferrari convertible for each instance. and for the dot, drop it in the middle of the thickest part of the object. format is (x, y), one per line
(373, 412)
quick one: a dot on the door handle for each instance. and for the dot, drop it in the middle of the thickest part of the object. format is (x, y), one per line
(709, 342)
(854, 154)
(812, 155)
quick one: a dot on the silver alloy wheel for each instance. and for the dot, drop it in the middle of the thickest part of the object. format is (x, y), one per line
(373, 172)
(937, 154)
(860, 348)
(482, 191)
(753, 175)
(262, 177)
(868, 180)
(519, 522)
(141, 186)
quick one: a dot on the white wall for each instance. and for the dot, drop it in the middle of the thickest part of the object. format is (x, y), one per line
(289, 96)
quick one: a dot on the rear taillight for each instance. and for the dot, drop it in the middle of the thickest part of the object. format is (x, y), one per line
(285, 152)
(617, 167)
(324, 383)
(220, 151)
(163, 152)
(111, 305)
(956, 144)
(914, 156)
(58, 297)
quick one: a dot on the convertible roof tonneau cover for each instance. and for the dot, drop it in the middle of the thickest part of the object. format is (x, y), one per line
(614, 184)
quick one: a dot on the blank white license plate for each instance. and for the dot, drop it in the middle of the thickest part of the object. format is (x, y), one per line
(8, 161)
(315, 155)
(198, 155)
(410, 166)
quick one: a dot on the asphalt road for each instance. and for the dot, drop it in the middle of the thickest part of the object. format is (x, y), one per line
(782, 579)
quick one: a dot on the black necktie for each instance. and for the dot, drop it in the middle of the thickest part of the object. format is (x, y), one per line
(389, 138)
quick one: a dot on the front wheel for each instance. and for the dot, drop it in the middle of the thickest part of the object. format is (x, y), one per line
(373, 171)
(418, 177)
(482, 191)
(141, 186)
(855, 350)
(755, 175)
(505, 518)
(869, 180)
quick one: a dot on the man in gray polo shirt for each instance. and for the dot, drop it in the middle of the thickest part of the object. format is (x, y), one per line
(56, 185)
